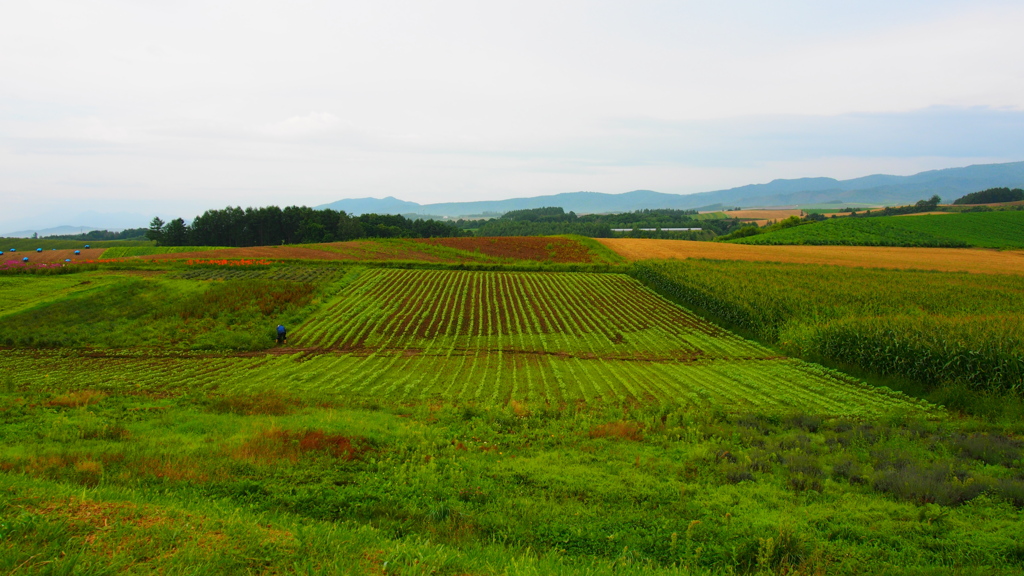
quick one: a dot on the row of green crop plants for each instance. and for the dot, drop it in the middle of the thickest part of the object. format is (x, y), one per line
(782, 385)
(931, 327)
(131, 251)
(583, 314)
(292, 273)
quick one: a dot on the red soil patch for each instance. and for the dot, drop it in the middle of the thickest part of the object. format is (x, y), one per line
(536, 248)
(942, 259)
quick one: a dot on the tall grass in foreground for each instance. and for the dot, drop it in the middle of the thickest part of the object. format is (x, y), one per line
(97, 483)
(930, 327)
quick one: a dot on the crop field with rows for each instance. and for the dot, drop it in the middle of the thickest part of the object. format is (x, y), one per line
(489, 337)
(782, 385)
(294, 273)
(129, 251)
(502, 250)
(1003, 229)
(930, 327)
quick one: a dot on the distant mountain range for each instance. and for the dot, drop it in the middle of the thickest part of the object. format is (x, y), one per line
(58, 231)
(879, 189)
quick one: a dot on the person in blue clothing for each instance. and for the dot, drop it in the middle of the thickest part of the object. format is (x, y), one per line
(282, 334)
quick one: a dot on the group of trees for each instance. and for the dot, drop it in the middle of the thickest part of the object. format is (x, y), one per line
(127, 234)
(268, 225)
(928, 205)
(992, 196)
(555, 220)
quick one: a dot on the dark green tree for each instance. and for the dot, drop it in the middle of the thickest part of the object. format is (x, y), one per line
(156, 230)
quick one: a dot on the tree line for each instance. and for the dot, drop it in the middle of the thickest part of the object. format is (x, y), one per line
(126, 234)
(992, 196)
(233, 226)
(555, 220)
(929, 205)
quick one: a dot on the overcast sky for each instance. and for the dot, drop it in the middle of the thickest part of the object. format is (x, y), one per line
(170, 108)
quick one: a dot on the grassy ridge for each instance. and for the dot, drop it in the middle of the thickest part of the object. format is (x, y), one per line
(927, 326)
(983, 229)
(122, 310)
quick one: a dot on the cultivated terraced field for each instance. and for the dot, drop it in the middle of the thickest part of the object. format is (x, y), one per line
(979, 229)
(941, 259)
(489, 337)
(504, 250)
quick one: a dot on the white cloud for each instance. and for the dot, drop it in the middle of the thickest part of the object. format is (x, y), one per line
(312, 124)
(190, 105)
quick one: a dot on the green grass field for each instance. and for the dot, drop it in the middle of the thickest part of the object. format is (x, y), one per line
(549, 420)
(124, 309)
(1003, 229)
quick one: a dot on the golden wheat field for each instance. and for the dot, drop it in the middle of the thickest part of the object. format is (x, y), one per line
(942, 259)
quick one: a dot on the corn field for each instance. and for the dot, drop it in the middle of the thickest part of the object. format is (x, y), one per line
(927, 326)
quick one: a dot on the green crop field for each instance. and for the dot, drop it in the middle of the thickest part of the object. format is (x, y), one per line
(1001, 229)
(421, 334)
(30, 244)
(928, 326)
(1004, 229)
(520, 420)
(129, 251)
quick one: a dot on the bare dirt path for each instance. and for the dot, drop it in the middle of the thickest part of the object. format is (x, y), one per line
(942, 259)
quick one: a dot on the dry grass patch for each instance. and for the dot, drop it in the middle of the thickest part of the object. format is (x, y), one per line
(116, 528)
(78, 399)
(271, 403)
(173, 470)
(519, 409)
(275, 445)
(622, 429)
